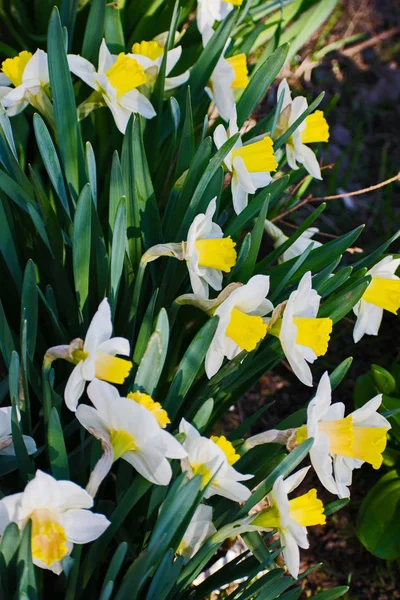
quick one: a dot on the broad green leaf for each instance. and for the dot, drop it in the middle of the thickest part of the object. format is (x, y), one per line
(64, 105)
(113, 30)
(378, 523)
(255, 242)
(117, 253)
(337, 376)
(264, 74)
(7, 345)
(91, 171)
(189, 367)
(317, 260)
(145, 330)
(113, 570)
(81, 245)
(332, 594)
(25, 465)
(29, 307)
(26, 573)
(143, 191)
(8, 247)
(94, 31)
(205, 64)
(116, 193)
(288, 464)
(152, 363)
(128, 501)
(186, 146)
(50, 160)
(57, 450)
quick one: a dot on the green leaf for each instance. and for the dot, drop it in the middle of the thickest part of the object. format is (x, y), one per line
(145, 330)
(29, 307)
(81, 246)
(378, 522)
(130, 498)
(203, 415)
(7, 247)
(91, 171)
(337, 376)
(132, 209)
(143, 191)
(278, 252)
(338, 305)
(57, 450)
(333, 507)
(26, 574)
(189, 367)
(264, 74)
(179, 202)
(384, 381)
(10, 542)
(113, 30)
(199, 199)
(255, 242)
(317, 260)
(113, 571)
(7, 345)
(152, 363)
(205, 64)
(117, 253)
(332, 594)
(25, 464)
(186, 147)
(116, 193)
(50, 160)
(64, 105)
(288, 464)
(94, 31)
(165, 577)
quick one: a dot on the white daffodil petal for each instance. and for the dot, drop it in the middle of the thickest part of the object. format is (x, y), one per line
(151, 465)
(116, 345)
(82, 526)
(74, 388)
(83, 69)
(135, 102)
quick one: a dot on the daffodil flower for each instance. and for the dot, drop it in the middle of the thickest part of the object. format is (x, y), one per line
(341, 443)
(290, 517)
(6, 443)
(150, 55)
(240, 326)
(208, 254)
(135, 428)
(303, 336)
(298, 247)
(209, 11)
(313, 129)
(213, 458)
(96, 358)
(115, 84)
(383, 293)
(250, 164)
(229, 74)
(29, 74)
(60, 515)
(199, 530)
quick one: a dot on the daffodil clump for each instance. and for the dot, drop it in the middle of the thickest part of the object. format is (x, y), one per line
(141, 299)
